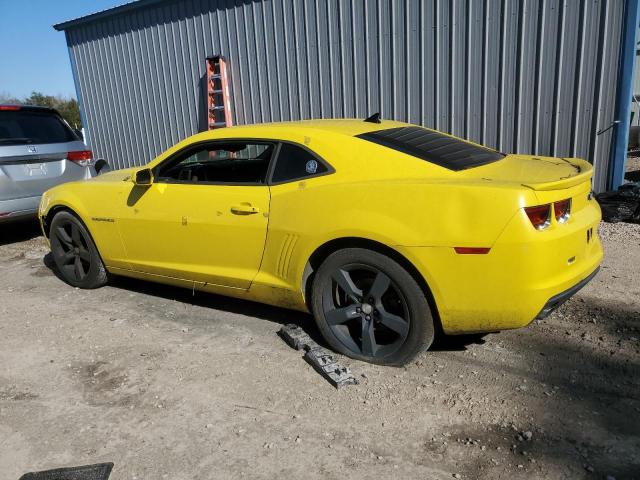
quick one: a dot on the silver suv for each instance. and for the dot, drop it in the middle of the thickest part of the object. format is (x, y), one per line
(38, 150)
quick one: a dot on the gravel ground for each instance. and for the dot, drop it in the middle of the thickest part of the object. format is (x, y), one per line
(633, 167)
(170, 385)
(633, 162)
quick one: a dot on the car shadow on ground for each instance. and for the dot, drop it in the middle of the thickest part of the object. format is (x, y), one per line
(262, 311)
(270, 313)
(19, 231)
(208, 300)
(456, 343)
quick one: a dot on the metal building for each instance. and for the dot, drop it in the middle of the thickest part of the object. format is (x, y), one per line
(634, 142)
(531, 76)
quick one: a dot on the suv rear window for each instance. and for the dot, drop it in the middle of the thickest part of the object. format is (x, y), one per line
(434, 147)
(25, 126)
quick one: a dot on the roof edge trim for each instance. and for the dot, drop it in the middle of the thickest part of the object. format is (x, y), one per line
(110, 12)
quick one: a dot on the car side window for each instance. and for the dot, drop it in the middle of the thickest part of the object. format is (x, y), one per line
(295, 162)
(235, 162)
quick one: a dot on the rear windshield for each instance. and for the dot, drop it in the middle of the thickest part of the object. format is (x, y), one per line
(434, 147)
(20, 127)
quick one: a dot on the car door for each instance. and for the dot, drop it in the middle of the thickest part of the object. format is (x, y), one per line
(205, 215)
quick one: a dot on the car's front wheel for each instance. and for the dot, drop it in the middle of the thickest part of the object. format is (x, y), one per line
(74, 252)
(370, 308)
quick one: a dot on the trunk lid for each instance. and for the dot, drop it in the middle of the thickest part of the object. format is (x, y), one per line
(24, 174)
(536, 172)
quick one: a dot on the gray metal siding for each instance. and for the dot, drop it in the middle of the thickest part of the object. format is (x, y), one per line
(528, 76)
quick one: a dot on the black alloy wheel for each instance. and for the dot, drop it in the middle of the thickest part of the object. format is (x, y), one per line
(74, 252)
(365, 310)
(370, 308)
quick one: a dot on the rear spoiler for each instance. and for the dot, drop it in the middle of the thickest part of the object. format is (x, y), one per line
(584, 174)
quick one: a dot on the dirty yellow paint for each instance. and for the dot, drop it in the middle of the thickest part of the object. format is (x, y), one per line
(187, 234)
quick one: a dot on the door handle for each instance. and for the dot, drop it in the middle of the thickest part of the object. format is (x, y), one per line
(244, 209)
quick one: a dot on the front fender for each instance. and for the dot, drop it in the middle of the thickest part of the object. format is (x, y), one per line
(88, 201)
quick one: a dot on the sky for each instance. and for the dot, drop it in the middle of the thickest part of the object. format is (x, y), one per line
(33, 56)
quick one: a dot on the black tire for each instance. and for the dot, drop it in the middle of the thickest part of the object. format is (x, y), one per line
(74, 252)
(360, 299)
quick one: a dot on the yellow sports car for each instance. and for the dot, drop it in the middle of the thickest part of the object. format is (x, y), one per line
(387, 232)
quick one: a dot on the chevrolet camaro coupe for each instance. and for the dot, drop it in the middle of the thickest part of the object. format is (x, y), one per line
(387, 232)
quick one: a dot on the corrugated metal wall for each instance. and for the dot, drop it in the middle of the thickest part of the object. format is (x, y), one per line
(529, 76)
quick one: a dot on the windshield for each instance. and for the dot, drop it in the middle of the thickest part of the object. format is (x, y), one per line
(19, 127)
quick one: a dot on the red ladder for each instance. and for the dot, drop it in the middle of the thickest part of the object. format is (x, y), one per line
(218, 102)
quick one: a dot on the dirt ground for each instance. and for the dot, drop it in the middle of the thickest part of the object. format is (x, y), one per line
(632, 167)
(170, 385)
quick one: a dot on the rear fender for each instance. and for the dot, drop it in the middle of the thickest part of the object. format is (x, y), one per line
(447, 214)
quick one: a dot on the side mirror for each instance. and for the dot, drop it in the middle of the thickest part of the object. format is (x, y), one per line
(102, 166)
(143, 177)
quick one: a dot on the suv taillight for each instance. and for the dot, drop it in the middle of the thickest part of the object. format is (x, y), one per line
(539, 215)
(562, 210)
(81, 157)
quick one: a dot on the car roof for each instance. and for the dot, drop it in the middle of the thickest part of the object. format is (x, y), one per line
(28, 107)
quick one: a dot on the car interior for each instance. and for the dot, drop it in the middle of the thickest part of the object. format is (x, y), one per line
(236, 162)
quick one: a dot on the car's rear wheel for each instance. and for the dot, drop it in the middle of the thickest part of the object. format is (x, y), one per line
(74, 252)
(370, 308)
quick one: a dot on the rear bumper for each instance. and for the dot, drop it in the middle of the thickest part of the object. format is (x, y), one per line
(19, 208)
(557, 300)
(527, 273)
(21, 188)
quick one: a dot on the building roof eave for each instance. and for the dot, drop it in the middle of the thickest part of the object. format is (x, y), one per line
(110, 12)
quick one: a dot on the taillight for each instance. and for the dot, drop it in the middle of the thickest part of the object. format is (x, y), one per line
(539, 215)
(12, 108)
(562, 210)
(81, 157)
